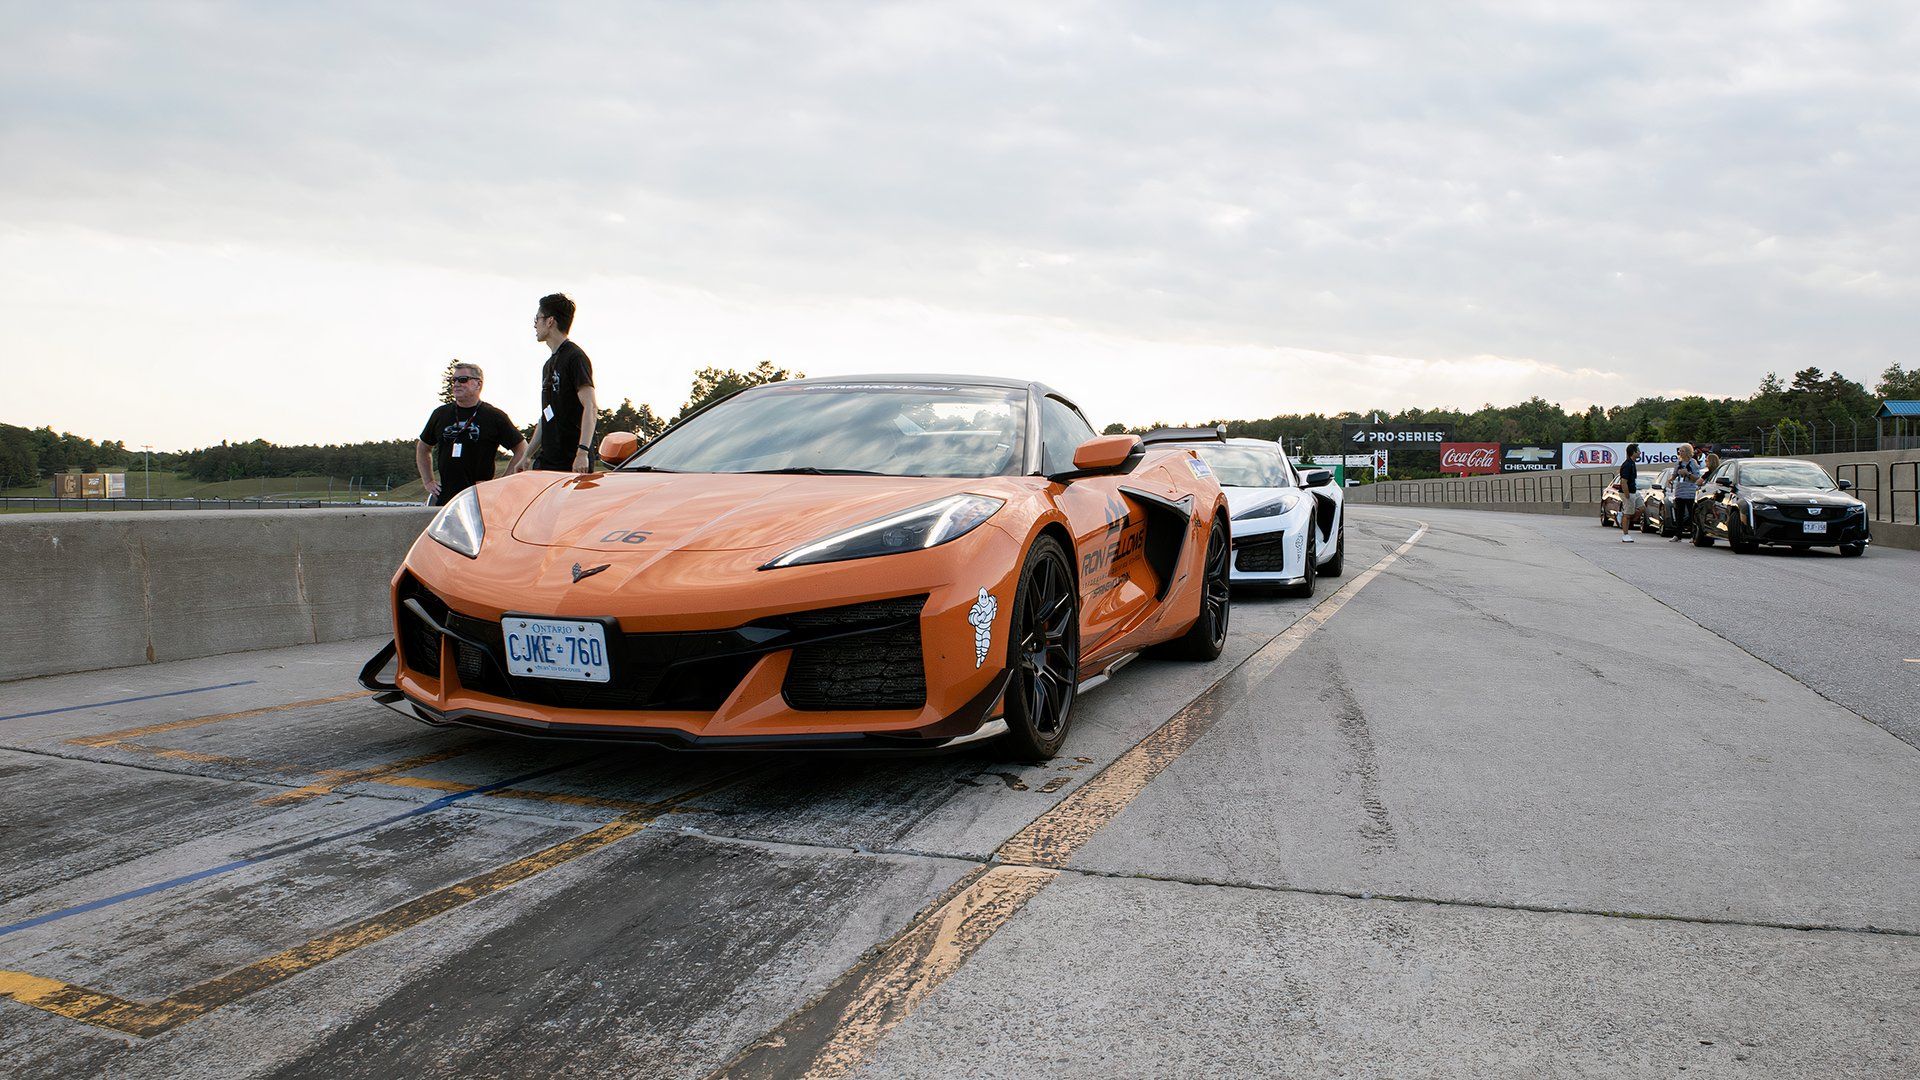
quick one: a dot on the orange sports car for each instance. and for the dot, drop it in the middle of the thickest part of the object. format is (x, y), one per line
(917, 562)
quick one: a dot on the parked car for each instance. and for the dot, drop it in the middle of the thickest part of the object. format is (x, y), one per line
(1610, 499)
(1656, 512)
(1785, 501)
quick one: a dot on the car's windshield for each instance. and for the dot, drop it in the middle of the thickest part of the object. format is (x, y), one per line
(893, 429)
(1246, 466)
(1787, 474)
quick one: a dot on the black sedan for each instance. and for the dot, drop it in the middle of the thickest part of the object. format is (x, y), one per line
(1784, 501)
(1656, 513)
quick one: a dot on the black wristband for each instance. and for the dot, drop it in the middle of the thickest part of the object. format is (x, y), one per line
(584, 446)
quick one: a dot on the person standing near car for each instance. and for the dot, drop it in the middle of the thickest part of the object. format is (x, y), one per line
(1683, 486)
(563, 434)
(461, 439)
(1629, 491)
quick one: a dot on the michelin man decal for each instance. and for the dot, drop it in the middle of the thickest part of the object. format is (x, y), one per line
(981, 617)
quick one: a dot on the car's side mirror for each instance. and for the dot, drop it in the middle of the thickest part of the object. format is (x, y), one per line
(1316, 477)
(1846, 485)
(1102, 454)
(618, 447)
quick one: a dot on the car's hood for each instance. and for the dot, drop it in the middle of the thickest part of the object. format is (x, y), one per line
(1798, 496)
(1242, 499)
(651, 513)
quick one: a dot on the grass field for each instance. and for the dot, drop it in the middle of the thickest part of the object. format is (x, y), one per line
(172, 485)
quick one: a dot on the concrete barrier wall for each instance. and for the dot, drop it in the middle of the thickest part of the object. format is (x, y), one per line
(1577, 492)
(88, 591)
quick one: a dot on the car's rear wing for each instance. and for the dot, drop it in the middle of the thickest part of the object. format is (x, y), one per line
(1217, 433)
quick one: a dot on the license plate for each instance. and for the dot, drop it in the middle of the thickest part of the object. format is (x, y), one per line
(556, 649)
(1816, 526)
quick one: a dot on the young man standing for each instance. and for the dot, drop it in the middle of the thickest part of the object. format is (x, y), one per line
(1629, 491)
(461, 438)
(563, 434)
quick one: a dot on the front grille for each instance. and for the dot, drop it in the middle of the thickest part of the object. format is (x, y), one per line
(420, 643)
(1799, 513)
(883, 669)
(1261, 554)
(871, 659)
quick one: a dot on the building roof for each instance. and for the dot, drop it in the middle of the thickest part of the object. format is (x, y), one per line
(1898, 408)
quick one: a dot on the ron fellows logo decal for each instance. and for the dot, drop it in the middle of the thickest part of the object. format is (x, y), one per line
(589, 571)
(981, 617)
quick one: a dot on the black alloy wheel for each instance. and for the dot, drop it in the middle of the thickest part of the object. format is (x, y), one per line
(1043, 653)
(1701, 537)
(1208, 635)
(1338, 564)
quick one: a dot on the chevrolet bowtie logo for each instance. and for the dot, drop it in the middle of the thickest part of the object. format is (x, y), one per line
(589, 572)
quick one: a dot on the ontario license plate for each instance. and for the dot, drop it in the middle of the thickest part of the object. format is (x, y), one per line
(1815, 526)
(556, 649)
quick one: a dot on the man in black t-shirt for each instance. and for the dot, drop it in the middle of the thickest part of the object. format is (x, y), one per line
(563, 434)
(461, 439)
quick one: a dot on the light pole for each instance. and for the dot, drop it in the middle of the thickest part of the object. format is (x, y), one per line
(149, 470)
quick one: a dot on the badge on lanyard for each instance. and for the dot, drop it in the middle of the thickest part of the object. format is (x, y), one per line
(549, 412)
(457, 447)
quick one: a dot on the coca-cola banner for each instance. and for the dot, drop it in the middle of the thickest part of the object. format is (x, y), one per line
(1469, 458)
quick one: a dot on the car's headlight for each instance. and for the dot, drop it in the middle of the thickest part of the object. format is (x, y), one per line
(1282, 505)
(458, 526)
(924, 526)
(1760, 504)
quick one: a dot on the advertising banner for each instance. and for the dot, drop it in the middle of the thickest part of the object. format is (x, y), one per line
(1470, 458)
(1367, 435)
(1530, 459)
(1609, 455)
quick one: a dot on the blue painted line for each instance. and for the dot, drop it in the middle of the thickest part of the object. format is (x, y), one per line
(128, 700)
(278, 853)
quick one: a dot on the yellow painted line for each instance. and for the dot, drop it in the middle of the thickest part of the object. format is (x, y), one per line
(834, 1034)
(335, 778)
(1057, 835)
(599, 802)
(146, 1019)
(112, 737)
(848, 1020)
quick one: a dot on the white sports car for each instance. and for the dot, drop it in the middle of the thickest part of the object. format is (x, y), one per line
(1289, 525)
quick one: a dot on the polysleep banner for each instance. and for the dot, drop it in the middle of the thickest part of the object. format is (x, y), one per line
(1469, 458)
(1609, 455)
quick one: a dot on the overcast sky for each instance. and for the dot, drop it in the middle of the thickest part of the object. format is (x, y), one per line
(280, 220)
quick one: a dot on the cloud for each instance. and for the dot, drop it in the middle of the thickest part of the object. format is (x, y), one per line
(1657, 193)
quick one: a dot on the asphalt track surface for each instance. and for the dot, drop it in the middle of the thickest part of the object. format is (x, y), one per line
(1519, 800)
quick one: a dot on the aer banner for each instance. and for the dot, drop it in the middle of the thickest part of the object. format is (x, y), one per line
(1609, 455)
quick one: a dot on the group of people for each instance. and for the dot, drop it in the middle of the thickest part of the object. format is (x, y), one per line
(458, 446)
(1682, 487)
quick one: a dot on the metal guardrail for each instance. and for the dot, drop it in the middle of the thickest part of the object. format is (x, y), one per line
(1894, 491)
(1874, 510)
(49, 503)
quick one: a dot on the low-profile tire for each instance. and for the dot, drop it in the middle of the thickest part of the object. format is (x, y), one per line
(1208, 635)
(1701, 538)
(1337, 565)
(1853, 551)
(1043, 653)
(1604, 523)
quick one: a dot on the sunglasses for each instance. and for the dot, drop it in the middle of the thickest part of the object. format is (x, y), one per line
(464, 379)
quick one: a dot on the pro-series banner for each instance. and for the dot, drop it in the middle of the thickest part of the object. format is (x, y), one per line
(1470, 458)
(1609, 455)
(1395, 435)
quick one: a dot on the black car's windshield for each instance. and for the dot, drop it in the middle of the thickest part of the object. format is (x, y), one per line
(890, 429)
(1247, 466)
(1785, 474)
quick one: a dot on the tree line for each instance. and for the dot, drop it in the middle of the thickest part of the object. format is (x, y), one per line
(1811, 397)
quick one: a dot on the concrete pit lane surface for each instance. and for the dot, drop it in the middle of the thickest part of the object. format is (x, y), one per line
(1508, 799)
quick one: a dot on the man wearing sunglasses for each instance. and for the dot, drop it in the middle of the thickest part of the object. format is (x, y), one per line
(461, 439)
